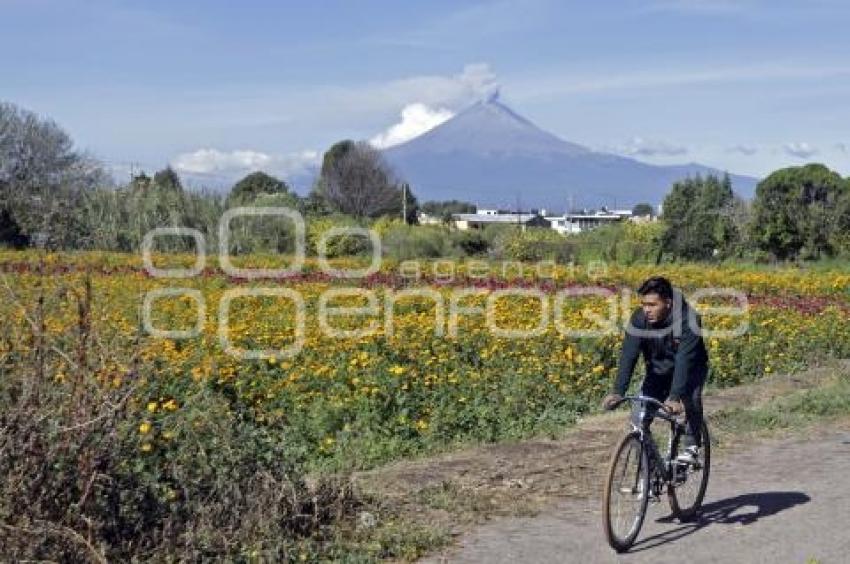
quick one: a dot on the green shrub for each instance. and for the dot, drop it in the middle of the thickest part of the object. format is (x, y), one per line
(103, 464)
(407, 242)
(471, 243)
(533, 244)
(341, 245)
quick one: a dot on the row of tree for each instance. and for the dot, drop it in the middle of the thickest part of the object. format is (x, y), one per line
(52, 195)
(798, 212)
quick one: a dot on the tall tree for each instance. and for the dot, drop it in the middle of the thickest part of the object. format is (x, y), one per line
(355, 180)
(698, 218)
(642, 209)
(248, 188)
(42, 179)
(794, 211)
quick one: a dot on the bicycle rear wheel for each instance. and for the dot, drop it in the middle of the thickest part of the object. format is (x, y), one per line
(626, 493)
(686, 497)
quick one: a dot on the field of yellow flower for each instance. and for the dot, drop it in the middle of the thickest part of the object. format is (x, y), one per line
(403, 374)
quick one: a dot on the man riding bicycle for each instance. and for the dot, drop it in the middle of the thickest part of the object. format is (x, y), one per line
(667, 330)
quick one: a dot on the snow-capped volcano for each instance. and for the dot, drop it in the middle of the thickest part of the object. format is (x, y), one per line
(491, 155)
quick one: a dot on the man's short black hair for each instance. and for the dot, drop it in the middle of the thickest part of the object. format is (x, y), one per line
(657, 285)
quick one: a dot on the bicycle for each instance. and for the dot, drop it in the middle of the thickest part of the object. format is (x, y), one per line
(649, 474)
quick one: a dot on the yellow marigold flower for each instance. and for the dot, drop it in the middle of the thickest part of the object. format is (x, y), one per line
(145, 428)
(152, 405)
(421, 424)
(397, 370)
(170, 405)
(598, 368)
(146, 447)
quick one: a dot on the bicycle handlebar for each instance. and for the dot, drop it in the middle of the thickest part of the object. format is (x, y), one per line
(662, 412)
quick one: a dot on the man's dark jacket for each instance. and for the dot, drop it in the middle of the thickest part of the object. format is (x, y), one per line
(675, 353)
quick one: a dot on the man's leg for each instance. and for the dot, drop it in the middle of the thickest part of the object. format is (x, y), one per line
(656, 388)
(692, 401)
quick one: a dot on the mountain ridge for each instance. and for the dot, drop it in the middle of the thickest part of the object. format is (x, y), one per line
(490, 154)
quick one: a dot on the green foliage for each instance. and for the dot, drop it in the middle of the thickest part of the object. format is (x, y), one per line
(315, 205)
(265, 234)
(103, 464)
(355, 180)
(406, 242)
(643, 209)
(160, 202)
(698, 218)
(799, 211)
(533, 244)
(828, 400)
(624, 242)
(252, 186)
(345, 244)
(839, 238)
(42, 181)
(445, 209)
(471, 242)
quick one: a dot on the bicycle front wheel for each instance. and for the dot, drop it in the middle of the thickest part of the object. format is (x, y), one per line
(626, 493)
(687, 492)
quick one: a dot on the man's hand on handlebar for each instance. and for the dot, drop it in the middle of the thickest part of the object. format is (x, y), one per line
(610, 401)
(674, 407)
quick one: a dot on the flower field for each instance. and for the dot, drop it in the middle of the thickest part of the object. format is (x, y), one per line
(414, 378)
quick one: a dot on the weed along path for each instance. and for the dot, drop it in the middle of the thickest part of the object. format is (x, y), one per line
(785, 500)
(779, 489)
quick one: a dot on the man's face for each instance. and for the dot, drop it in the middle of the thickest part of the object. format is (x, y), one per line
(655, 307)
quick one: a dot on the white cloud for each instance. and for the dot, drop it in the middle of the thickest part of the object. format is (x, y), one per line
(640, 147)
(231, 163)
(743, 149)
(416, 119)
(800, 150)
(212, 161)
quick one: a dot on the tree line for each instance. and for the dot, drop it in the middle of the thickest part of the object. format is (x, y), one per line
(797, 213)
(53, 196)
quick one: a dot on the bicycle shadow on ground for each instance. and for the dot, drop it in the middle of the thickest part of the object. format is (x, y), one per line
(739, 510)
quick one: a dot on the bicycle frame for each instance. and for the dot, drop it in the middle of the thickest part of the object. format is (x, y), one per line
(660, 467)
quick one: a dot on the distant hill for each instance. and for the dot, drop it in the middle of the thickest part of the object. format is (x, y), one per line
(490, 155)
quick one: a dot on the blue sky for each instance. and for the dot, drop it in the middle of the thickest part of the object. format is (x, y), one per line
(219, 87)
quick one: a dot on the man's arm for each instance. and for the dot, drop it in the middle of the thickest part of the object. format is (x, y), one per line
(629, 354)
(687, 356)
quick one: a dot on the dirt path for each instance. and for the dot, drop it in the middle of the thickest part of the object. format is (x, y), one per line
(786, 500)
(500, 501)
(466, 487)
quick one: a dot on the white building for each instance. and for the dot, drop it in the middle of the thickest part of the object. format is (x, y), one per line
(571, 223)
(464, 221)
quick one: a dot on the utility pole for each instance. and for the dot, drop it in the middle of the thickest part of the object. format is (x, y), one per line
(404, 203)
